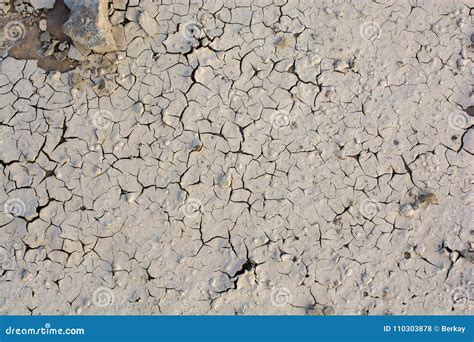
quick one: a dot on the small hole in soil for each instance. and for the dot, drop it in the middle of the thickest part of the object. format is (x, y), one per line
(470, 110)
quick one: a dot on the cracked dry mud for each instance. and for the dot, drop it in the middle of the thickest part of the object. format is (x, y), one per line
(239, 157)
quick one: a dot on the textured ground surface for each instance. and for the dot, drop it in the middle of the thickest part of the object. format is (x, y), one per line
(264, 157)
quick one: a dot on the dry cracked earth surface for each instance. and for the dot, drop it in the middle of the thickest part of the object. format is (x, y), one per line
(236, 157)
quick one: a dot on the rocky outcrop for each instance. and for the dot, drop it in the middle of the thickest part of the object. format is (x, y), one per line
(89, 26)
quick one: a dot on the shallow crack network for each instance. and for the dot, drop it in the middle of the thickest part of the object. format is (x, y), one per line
(259, 157)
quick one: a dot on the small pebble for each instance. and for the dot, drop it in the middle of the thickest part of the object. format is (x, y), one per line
(43, 25)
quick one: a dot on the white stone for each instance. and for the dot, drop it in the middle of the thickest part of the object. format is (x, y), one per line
(43, 25)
